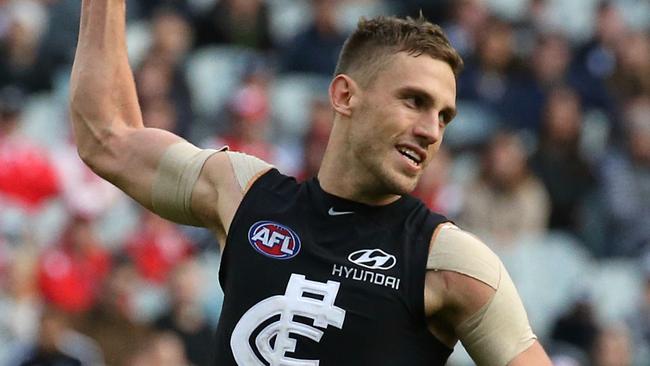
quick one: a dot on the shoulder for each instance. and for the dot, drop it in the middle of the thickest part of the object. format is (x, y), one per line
(479, 300)
(456, 250)
(462, 276)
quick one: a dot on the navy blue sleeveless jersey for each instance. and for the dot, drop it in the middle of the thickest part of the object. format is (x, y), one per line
(313, 279)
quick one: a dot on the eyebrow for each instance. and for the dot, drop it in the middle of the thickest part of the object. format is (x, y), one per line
(426, 97)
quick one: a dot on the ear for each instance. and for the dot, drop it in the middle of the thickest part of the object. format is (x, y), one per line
(344, 93)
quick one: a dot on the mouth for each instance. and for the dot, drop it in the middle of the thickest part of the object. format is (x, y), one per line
(414, 155)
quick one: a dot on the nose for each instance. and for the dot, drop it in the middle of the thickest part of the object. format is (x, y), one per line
(428, 130)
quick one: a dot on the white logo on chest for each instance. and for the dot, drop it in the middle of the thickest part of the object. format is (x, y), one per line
(373, 259)
(273, 342)
(333, 212)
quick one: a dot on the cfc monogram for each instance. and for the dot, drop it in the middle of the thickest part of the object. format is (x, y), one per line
(273, 342)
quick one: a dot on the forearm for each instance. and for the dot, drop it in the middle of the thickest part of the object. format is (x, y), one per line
(103, 98)
(104, 108)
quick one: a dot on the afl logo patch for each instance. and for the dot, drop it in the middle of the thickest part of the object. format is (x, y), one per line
(274, 240)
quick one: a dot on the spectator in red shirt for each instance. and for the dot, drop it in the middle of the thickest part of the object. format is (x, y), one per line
(27, 177)
(71, 273)
(157, 247)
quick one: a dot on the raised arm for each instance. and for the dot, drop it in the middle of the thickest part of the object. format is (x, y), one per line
(109, 130)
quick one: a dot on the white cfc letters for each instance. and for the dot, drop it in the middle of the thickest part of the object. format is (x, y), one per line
(273, 341)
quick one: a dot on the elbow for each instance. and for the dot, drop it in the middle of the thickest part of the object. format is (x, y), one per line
(102, 158)
(89, 157)
(97, 147)
(98, 155)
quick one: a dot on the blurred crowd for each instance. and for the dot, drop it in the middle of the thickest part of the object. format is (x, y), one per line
(548, 161)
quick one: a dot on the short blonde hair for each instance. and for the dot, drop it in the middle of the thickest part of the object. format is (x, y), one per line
(366, 50)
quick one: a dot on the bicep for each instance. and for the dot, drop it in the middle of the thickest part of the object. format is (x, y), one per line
(129, 159)
(164, 173)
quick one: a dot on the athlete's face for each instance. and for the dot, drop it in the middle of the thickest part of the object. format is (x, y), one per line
(400, 121)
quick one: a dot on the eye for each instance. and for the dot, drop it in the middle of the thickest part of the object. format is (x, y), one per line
(414, 101)
(445, 117)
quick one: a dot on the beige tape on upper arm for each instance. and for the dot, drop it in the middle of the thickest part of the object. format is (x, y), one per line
(456, 250)
(177, 173)
(247, 168)
(500, 330)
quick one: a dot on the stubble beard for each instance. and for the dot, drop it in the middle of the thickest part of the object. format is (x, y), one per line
(384, 179)
(379, 177)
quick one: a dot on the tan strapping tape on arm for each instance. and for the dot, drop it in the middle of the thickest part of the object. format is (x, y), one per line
(500, 330)
(456, 250)
(178, 171)
(246, 168)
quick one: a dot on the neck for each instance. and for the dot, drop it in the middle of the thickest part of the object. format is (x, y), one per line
(341, 174)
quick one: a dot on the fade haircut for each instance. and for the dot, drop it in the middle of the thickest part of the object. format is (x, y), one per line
(368, 49)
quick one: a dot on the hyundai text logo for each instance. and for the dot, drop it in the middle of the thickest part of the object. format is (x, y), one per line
(373, 259)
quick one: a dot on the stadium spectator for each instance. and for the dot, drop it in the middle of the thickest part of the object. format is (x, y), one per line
(20, 301)
(27, 178)
(436, 11)
(577, 328)
(631, 76)
(558, 162)
(506, 202)
(537, 20)
(172, 36)
(487, 77)
(548, 69)
(111, 322)
(242, 23)
(639, 320)
(71, 272)
(467, 20)
(186, 317)
(57, 343)
(22, 60)
(316, 49)
(160, 76)
(597, 57)
(612, 347)
(47, 349)
(626, 183)
(60, 35)
(249, 113)
(436, 189)
(163, 349)
(157, 247)
(595, 61)
(315, 141)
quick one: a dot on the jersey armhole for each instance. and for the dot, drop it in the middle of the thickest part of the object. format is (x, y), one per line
(247, 169)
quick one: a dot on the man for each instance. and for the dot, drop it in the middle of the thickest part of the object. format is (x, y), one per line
(332, 271)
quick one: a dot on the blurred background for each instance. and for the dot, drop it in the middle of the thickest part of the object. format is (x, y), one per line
(548, 161)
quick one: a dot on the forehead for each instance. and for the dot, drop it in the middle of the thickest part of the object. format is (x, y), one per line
(422, 72)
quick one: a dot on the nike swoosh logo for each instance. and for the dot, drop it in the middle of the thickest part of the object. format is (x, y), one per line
(332, 212)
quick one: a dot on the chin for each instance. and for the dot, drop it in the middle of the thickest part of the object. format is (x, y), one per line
(400, 184)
